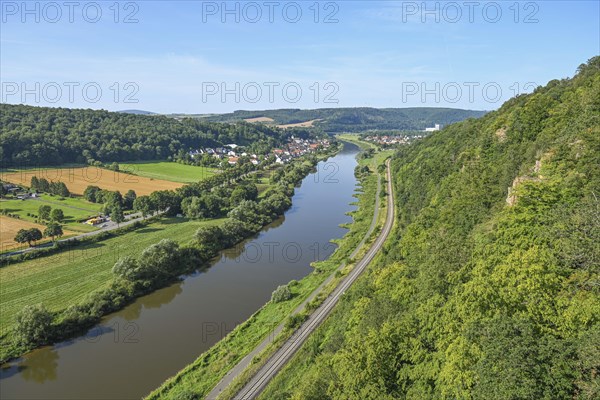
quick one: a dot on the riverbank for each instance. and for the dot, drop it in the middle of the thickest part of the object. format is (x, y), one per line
(199, 378)
(78, 287)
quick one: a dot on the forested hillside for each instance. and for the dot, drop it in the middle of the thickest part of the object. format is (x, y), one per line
(51, 136)
(334, 120)
(490, 288)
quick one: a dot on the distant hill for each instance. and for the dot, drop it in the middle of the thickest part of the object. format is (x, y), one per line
(32, 136)
(137, 112)
(336, 120)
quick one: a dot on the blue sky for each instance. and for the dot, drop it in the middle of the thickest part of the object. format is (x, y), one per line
(190, 57)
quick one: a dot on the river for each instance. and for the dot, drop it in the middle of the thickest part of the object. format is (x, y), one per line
(133, 351)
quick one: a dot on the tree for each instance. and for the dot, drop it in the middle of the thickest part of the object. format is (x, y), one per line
(44, 212)
(192, 207)
(111, 199)
(249, 213)
(128, 199)
(144, 205)
(232, 232)
(161, 258)
(276, 203)
(35, 183)
(34, 325)
(90, 193)
(157, 263)
(35, 234)
(276, 175)
(116, 214)
(282, 293)
(3, 190)
(43, 185)
(127, 268)
(53, 230)
(28, 236)
(57, 215)
(61, 190)
(166, 201)
(243, 192)
(22, 236)
(209, 239)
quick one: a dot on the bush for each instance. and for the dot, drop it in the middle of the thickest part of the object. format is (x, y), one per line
(282, 293)
(186, 395)
(295, 321)
(33, 325)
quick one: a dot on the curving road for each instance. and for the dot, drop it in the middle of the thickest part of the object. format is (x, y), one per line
(278, 360)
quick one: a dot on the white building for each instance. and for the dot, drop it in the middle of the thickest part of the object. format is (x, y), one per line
(434, 129)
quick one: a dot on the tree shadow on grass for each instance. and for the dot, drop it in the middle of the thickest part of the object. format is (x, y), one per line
(148, 230)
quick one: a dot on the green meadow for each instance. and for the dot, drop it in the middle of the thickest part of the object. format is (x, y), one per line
(74, 209)
(169, 171)
(66, 278)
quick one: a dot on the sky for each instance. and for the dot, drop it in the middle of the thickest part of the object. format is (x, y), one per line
(205, 57)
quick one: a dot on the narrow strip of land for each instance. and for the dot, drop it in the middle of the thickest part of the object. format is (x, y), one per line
(278, 360)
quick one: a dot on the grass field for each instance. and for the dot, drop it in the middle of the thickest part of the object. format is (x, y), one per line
(74, 209)
(260, 119)
(78, 178)
(168, 171)
(65, 278)
(305, 124)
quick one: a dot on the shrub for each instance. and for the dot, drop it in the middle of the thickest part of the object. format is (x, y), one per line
(282, 293)
(33, 325)
(186, 395)
(295, 321)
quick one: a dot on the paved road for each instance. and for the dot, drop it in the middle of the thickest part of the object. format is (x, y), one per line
(130, 219)
(244, 362)
(289, 348)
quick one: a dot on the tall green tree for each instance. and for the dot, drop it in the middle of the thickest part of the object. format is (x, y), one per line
(53, 230)
(44, 212)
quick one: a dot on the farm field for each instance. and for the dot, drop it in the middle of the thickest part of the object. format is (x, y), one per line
(168, 171)
(305, 124)
(79, 178)
(65, 278)
(260, 119)
(74, 209)
(9, 228)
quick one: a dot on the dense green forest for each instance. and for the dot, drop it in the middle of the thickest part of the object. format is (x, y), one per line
(335, 120)
(490, 285)
(33, 136)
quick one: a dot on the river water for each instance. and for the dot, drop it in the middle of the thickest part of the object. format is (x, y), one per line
(133, 351)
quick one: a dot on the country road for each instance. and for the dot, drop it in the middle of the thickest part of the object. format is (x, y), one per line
(278, 360)
(130, 219)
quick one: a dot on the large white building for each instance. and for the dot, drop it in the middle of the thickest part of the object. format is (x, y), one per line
(434, 129)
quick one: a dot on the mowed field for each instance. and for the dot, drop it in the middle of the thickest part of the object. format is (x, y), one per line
(74, 209)
(79, 178)
(260, 119)
(9, 228)
(66, 278)
(168, 171)
(305, 124)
